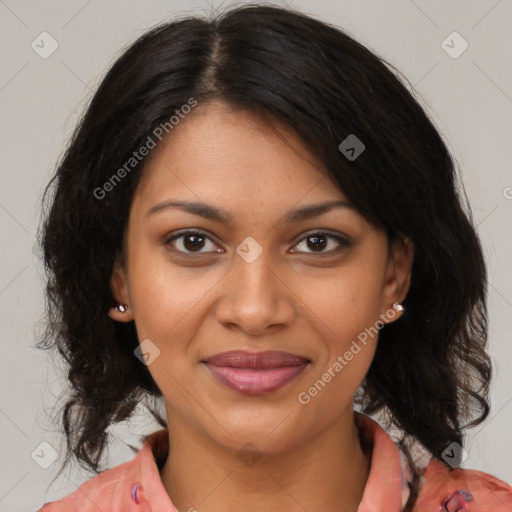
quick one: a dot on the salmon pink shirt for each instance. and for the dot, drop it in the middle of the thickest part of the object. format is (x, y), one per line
(135, 486)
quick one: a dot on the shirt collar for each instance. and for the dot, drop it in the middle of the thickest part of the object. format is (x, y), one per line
(384, 489)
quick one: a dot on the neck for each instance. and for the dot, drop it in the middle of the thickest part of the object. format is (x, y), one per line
(327, 472)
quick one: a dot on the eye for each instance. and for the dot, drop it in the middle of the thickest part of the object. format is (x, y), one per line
(191, 242)
(194, 241)
(319, 240)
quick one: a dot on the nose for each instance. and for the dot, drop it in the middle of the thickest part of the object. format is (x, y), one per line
(255, 298)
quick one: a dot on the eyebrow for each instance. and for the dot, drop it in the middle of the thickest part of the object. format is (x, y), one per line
(213, 213)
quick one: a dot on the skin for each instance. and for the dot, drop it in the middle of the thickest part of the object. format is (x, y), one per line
(294, 297)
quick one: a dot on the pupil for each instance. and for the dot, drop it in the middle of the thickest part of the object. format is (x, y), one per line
(194, 245)
(316, 239)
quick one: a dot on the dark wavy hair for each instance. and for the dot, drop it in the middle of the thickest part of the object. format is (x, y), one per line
(430, 372)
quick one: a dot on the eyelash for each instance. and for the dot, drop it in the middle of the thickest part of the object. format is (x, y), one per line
(343, 242)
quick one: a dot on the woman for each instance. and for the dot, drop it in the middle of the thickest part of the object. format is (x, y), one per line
(257, 223)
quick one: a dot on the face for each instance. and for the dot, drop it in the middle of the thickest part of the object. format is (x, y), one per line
(292, 295)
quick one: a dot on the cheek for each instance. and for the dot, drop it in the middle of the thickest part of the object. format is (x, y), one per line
(165, 297)
(345, 323)
(167, 307)
(343, 303)
(344, 308)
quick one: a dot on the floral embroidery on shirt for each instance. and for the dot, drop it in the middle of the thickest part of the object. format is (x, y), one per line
(456, 501)
(135, 489)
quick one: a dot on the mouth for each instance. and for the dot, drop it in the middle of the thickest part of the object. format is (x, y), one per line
(255, 373)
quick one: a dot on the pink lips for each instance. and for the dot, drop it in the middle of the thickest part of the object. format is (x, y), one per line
(255, 373)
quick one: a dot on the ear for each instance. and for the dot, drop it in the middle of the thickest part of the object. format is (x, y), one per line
(398, 277)
(119, 288)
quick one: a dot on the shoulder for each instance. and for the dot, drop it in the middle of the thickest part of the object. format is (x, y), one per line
(101, 492)
(123, 488)
(461, 490)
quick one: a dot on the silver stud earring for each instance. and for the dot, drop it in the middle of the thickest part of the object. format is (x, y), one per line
(122, 308)
(397, 306)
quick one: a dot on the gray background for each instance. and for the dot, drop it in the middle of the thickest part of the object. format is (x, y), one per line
(469, 98)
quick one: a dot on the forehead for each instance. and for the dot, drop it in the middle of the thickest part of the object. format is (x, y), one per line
(222, 155)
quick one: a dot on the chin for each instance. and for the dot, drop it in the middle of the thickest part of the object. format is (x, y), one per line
(271, 431)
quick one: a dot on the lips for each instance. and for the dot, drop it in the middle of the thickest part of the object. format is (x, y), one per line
(255, 373)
